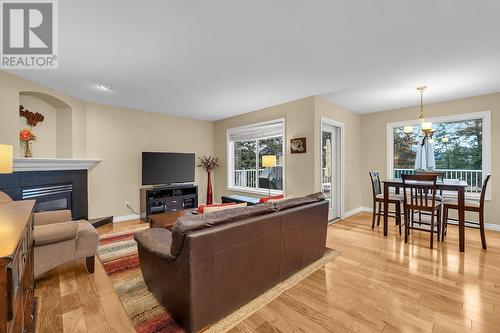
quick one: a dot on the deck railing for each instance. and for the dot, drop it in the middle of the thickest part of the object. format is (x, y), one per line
(248, 178)
(472, 177)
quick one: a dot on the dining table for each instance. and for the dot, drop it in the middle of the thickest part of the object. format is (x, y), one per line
(449, 185)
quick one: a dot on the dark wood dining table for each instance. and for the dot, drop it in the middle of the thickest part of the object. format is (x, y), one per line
(452, 185)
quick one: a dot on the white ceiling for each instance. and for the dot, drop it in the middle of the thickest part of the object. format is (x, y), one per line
(219, 58)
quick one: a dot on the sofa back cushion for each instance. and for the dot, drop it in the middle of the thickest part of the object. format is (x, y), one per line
(193, 222)
(204, 209)
(294, 202)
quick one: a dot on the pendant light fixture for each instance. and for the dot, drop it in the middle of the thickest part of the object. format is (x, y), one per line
(425, 127)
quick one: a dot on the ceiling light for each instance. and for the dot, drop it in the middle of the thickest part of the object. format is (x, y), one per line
(425, 126)
(104, 87)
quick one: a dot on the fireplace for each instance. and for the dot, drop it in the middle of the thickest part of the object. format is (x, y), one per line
(55, 197)
(52, 190)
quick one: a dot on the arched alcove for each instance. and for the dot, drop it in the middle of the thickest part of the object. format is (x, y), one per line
(55, 133)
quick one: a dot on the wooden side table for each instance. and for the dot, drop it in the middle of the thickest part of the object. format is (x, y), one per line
(167, 220)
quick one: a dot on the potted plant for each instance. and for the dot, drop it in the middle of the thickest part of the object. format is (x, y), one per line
(209, 163)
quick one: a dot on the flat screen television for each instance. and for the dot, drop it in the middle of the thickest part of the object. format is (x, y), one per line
(167, 168)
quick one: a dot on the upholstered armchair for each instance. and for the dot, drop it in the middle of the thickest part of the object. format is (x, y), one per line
(58, 239)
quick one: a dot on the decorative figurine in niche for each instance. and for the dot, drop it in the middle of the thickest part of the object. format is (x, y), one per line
(26, 135)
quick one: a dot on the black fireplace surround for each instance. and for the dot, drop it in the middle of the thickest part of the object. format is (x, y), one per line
(52, 190)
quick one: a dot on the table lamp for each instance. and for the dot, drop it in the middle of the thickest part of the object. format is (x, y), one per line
(6, 159)
(269, 161)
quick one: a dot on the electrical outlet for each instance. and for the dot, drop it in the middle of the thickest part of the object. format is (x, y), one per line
(127, 203)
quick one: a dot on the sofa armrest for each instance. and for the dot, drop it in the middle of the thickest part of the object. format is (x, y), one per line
(55, 216)
(156, 241)
(54, 233)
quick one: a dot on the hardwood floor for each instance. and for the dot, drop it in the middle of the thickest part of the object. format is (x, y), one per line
(379, 284)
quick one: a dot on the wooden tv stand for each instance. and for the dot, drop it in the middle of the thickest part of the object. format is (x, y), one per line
(159, 200)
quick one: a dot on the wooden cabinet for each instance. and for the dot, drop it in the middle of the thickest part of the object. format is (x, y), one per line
(17, 283)
(167, 199)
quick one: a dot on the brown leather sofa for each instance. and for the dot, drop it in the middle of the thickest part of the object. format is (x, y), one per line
(211, 264)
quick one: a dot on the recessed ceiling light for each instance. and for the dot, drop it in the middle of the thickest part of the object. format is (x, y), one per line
(104, 87)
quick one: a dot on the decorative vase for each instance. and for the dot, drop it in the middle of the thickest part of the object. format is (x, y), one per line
(27, 149)
(209, 190)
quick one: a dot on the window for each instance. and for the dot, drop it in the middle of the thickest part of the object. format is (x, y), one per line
(246, 146)
(461, 148)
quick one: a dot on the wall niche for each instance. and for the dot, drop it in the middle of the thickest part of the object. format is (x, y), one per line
(55, 133)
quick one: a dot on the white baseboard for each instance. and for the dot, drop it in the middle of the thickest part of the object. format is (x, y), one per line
(487, 226)
(491, 226)
(355, 211)
(125, 218)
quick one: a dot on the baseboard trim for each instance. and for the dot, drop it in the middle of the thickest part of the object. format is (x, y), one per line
(356, 211)
(491, 226)
(123, 218)
(487, 226)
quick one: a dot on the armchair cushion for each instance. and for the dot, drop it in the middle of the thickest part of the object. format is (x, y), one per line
(55, 216)
(54, 233)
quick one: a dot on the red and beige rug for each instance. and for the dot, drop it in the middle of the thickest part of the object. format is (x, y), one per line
(118, 254)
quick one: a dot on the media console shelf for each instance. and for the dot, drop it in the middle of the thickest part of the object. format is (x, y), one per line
(157, 200)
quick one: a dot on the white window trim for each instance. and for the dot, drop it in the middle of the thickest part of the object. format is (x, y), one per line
(486, 153)
(230, 160)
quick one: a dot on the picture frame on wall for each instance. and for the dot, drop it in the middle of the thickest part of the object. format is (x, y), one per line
(298, 146)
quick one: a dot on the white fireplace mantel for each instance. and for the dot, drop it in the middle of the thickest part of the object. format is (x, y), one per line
(53, 164)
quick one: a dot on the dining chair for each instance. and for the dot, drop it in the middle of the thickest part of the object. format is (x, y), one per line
(378, 197)
(419, 194)
(470, 206)
(439, 197)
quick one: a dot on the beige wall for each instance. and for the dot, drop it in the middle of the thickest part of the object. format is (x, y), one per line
(302, 171)
(374, 136)
(118, 136)
(115, 135)
(352, 122)
(11, 88)
(299, 168)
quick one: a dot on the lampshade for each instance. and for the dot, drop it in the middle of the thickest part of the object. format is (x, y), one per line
(268, 161)
(408, 129)
(6, 159)
(426, 126)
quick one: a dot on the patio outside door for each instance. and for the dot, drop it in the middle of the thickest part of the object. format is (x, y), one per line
(331, 167)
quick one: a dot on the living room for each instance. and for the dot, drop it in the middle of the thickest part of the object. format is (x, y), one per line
(247, 177)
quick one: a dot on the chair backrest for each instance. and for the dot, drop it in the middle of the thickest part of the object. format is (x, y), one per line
(440, 174)
(483, 190)
(375, 180)
(419, 192)
(4, 197)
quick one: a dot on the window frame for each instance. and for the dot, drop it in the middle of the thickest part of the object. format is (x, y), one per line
(486, 152)
(230, 159)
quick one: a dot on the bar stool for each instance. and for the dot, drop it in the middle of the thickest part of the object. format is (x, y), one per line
(470, 206)
(378, 197)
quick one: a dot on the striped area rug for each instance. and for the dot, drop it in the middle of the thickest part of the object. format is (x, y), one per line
(118, 254)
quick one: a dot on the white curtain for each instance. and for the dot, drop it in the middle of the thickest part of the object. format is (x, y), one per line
(425, 159)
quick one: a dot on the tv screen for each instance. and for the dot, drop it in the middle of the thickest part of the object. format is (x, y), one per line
(167, 168)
